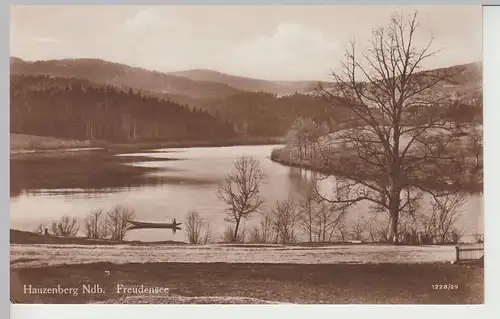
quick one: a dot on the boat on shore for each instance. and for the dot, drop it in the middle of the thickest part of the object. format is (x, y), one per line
(144, 225)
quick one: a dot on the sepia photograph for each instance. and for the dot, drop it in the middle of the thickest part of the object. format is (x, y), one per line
(258, 154)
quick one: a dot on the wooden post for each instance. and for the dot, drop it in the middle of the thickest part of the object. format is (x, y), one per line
(457, 254)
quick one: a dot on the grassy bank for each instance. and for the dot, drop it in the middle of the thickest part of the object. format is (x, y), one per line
(33, 142)
(290, 283)
(20, 237)
(290, 157)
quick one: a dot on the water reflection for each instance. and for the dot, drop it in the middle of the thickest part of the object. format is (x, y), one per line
(301, 180)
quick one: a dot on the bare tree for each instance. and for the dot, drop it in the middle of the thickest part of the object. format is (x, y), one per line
(254, 235)
(475, 138)
(208, 235)
(403, 132)
(328, 217)
(343, 232)
(383, 233)
(228, 235)
(318, 219)
(194, 227)
(441, 223)
(303, 136)
(296, 138)
(95, 225)
(308, 214)
(371, 226)
(358, 230)
(263, 233)
(118, 222)
(198, 230)
(40, 229)
(240, 190)
(285, 219)
(66, 226)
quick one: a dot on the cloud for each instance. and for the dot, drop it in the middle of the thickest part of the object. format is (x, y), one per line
(45, 40)
(292, 50)
(142, 19)
(151, 19)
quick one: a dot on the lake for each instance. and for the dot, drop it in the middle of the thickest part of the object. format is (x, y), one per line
(193, 174)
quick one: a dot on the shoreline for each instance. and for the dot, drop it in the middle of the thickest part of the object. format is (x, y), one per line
(118, 147)
(277, 157)
(25, 237)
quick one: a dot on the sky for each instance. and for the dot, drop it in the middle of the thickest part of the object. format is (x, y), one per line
(267, 42)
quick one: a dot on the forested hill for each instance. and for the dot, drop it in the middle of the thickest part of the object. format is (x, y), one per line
(78, 109)
(266, 115)
(121, 75)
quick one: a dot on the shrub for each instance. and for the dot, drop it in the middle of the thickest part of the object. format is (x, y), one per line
(66, 226)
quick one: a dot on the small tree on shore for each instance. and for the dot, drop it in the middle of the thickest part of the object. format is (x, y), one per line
(197, 229)
(285, 217)
(95, 225)
(343, 233)
(475, 139)
(308, 215)
(118, 222)
(240, 190)
(228, 235)
(441, 223)
(328, 219)
(303, 136)
(358, 230)
(66, 226)
(194, 227)
(40, 229)
(263, 233)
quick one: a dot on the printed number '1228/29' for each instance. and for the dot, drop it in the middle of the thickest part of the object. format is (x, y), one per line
(445, 287)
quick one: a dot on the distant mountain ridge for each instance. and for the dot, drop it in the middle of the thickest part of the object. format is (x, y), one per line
(121, 75)
(249, 84)
(198, 83)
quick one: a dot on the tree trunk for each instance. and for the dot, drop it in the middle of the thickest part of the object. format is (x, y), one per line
(235, 235)
(394, 213)
(310, 231)
(394, 227)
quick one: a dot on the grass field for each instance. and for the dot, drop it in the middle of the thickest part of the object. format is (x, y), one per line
(53, 255)
(228, 273)
(30, 142)
(257, 283)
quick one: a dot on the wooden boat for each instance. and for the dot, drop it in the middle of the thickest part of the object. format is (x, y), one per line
(141, 225)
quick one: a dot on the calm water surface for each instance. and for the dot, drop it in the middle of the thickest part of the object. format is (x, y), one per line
(197, 172)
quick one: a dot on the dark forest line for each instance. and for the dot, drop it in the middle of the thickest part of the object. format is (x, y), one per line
(78, 109)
